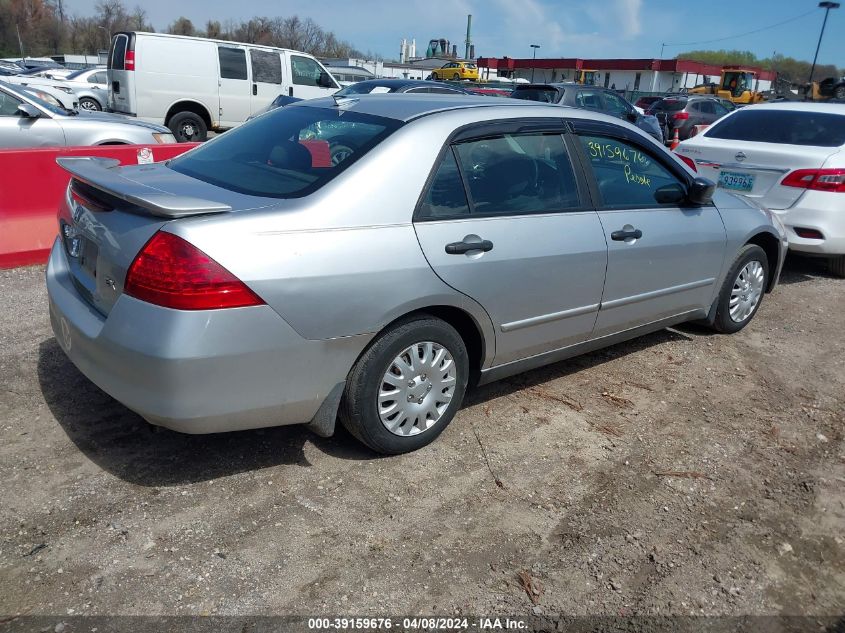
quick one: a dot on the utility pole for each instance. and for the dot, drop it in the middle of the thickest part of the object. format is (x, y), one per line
(535, 47)
(827, 6)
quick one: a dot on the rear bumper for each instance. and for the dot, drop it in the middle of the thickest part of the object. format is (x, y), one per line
(197, 371)
(820, 211)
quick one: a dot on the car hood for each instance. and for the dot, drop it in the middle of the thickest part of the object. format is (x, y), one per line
(108, 117)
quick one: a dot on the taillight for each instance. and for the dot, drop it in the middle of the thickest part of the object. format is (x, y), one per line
(689, 161)
(173, 273)
(678, 116)
(809, 234)
(129, 61)
(817, 179)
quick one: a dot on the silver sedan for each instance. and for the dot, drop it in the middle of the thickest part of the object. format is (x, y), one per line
(27, 121)
(257, 281)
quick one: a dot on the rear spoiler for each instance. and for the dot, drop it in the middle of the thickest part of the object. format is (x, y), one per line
(101, 173)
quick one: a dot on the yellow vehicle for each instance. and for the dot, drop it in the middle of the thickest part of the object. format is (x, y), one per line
(456, 70)
(738, 85)
(586, 77)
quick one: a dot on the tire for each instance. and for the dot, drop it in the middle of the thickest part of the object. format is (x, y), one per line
(89, 104)
(837, 265)
(188, 127)
(758, 281)
(456, 76)
(434, 77)
(340, 153)
(839, 93)
(359, 408)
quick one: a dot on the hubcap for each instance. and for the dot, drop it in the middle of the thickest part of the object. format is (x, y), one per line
(188, 130)
(416, 389)
(87, 104)
(746, 292)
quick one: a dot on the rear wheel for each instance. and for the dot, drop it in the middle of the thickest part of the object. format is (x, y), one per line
(839, 93)
(837, 265)
(87, 103)
(456, 76)
(434, 76)
(742, 290)
(188, 127)
(406, 388)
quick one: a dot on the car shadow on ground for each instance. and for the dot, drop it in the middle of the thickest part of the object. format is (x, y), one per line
(800, 268)
(124, 444)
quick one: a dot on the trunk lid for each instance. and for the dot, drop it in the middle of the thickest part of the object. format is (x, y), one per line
(754, 169)
(111, 212)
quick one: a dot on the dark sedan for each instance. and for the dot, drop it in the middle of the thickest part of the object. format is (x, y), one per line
(683, 113)
(589, 98)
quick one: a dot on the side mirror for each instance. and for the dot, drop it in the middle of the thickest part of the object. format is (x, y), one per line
(29, 111)
(325, 80)
(701, 192)
(670, 194)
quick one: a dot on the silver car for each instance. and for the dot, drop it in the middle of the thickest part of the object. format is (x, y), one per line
(254, 282)
(27, 121)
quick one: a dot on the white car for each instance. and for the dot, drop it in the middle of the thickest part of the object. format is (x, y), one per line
(88, 77)
(65, 94)
(789, 158)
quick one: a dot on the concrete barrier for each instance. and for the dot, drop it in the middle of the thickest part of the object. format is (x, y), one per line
(32, 184)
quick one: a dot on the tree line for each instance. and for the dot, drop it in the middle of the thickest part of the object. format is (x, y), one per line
(789, 69)
(35, 28)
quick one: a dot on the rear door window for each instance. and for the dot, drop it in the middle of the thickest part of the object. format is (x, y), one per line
(232, 62)
(543, 95)
(518, 174)
(793, 127)
(117, 57)
(616, 105)
(589, 99)
(627, 177)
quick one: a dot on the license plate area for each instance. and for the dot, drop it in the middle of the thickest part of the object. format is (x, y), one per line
(88, 257)
(736, 181)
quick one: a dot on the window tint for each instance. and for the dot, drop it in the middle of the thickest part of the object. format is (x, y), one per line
(232, 63)
(513, 174)
(719, 109)
(305, 71)
(627, 176)
(99, 78)
(445, 196)
(616, 105)
(588, 99)
(9, 105)
(118, 52)
(793, 127)
(266, 66)
(287, 153)
(670, 105)
(443, 91)
(707, 107)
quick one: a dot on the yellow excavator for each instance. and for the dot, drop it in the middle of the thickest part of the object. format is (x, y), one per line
(736, 84)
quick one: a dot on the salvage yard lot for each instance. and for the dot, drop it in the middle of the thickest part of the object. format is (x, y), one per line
(682, 472)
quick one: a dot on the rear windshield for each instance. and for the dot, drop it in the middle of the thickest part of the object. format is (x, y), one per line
(118, 52)
(792, 127)
(287, 153)
(545, 95)
(669, 105)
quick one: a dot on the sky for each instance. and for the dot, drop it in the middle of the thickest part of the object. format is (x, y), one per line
(562, 28)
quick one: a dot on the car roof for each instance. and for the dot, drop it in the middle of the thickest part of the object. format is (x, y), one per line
(801, 106)
(407, 107)
(399, 83)
(551, 84)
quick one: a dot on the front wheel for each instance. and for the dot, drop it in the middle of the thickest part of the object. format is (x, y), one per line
(406, 388)
(742, 290)
(839, 93)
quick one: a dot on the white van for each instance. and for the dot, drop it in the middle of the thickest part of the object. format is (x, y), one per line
(193, 84)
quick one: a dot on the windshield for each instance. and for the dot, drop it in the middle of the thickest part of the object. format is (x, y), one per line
(791, 127)
(669, 105)
(77, 73)
(23, 92)
(545, 95)
(287, 153)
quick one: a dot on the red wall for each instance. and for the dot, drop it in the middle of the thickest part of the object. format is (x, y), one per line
(31, 186)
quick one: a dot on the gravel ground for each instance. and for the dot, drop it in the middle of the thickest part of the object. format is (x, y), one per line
(681, 473)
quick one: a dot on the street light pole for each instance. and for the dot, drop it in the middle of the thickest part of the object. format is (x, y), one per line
(535, 47)
(827, 6)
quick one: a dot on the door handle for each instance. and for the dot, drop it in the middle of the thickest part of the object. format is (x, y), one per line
(621, 236)
(459, 248)
(254, 89)
(290, 91)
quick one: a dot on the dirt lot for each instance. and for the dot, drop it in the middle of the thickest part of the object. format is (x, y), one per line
(682, 473)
